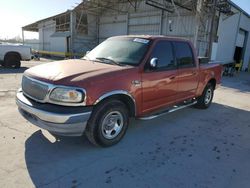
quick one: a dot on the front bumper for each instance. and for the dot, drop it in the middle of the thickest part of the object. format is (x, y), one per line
(60, 120)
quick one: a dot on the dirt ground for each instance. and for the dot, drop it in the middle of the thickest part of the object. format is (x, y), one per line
(188, 148)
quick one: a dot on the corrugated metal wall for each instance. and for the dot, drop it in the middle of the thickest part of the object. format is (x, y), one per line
(46, 29)
(179, 26)
(144, 23)
(46, 41)
(83, 43)
(124, 19)
(147, 20)
(112, 25)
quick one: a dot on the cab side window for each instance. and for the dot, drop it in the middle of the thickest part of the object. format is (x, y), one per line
(163, 51)
(184, 55)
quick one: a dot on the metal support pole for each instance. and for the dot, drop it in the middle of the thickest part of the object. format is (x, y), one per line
(198, 22)
(43, 36)
(23, 35)
(72, 30)
(161, 22)
(127, 26)
(98, 29)
(211, 36)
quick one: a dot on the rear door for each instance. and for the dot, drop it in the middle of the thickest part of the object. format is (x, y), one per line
(188, 72)
(160, 85)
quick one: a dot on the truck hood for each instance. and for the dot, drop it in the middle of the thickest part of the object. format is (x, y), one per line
(71, 70)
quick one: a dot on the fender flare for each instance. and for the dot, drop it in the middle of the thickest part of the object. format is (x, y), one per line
(12, 52)
(117, 92)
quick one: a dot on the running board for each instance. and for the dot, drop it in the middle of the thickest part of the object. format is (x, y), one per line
(175, 108)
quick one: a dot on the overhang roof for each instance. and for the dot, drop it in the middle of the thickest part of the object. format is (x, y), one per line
(97, 6)
(34, 26)
(91, 6)
(239, 8)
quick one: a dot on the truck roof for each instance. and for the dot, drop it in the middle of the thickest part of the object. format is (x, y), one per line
(152, 37)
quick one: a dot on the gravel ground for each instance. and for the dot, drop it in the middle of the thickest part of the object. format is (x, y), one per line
(188, 148)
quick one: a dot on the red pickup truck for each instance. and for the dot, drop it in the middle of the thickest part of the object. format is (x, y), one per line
(125, 76)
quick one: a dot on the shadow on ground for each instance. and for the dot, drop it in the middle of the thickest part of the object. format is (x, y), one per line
(20, 70)
(241, 82)
(188, 148)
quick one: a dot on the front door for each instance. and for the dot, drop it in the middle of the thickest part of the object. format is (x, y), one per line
(160, 84)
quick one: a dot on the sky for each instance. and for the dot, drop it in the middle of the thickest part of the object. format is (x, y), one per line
(14, 14)
(17, 13)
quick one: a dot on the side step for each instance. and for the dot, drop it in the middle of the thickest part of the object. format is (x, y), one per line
(175, 108)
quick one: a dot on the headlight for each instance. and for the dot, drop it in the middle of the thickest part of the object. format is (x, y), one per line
(66, 95)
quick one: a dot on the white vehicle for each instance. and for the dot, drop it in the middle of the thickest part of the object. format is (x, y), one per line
(11, 55)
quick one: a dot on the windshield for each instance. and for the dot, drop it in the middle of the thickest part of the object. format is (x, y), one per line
(120, 51)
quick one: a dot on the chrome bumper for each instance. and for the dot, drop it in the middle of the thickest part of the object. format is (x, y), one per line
(59, 120)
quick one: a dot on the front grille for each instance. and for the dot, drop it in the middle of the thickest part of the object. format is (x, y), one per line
(34, 89)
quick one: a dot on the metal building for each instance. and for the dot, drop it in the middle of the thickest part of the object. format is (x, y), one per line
(204, 22)
(233, 41)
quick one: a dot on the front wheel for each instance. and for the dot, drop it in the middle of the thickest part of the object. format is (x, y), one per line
(108, 123)
(205, 100)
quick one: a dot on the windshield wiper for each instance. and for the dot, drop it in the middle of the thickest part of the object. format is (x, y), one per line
(104, 59)
(95, 60)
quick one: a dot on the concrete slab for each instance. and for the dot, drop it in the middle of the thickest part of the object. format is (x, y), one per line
(188, 148)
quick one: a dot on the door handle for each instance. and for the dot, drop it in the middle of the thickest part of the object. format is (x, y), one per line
(173, 77)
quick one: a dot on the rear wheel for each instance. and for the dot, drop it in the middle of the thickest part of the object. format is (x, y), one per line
(12, 60)
(108, 123)
(205, 100)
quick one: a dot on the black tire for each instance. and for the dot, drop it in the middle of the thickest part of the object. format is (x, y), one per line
(95, 130)
(204, 101)
(12, 60)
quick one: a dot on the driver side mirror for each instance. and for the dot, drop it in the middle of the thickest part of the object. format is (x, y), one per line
(153, 63)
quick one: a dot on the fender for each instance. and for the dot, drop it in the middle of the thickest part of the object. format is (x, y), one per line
(12, 52)
(208, 77)
(117, 92)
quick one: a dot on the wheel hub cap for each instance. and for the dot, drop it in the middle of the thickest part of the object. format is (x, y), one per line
(208, 96)
(112, 124)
